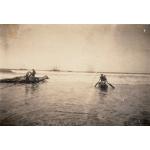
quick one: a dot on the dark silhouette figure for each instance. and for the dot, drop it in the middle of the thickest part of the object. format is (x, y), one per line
(30, 76)
(103, 78)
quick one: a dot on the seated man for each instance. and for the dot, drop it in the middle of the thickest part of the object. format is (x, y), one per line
(33, 72)
(30, 76)
(103, 78)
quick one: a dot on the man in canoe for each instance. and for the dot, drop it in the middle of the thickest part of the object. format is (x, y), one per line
(101, 79)
(30, 76)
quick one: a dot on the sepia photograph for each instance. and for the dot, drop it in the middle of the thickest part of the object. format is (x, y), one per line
(74, 75)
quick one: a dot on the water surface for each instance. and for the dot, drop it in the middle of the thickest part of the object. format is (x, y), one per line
(71, 99)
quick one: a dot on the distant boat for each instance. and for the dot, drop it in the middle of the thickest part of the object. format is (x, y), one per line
(55, 69)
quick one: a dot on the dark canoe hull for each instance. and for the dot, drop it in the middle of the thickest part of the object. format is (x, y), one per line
(22, 79)
(103, 86)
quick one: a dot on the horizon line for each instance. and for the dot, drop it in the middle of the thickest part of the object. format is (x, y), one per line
(59, 70)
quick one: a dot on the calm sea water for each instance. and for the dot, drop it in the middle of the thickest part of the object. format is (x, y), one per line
(71, 99)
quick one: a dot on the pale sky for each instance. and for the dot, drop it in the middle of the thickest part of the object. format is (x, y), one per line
(110, 48)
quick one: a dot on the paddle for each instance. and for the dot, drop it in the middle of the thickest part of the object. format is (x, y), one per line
(97, 83)
(111, 85)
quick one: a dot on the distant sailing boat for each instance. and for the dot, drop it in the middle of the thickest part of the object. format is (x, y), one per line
(55, 68)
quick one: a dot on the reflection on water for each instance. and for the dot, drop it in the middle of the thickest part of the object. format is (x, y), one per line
(29, 91)
(72, 99)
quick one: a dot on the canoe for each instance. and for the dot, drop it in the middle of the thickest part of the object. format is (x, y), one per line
(22, 79)
(103, 86)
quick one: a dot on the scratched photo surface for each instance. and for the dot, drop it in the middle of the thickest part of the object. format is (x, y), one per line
(51, 75)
